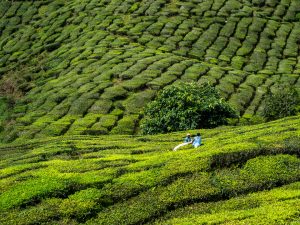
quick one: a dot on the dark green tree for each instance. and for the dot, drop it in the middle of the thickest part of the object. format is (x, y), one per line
(185, 106)
(282, 101)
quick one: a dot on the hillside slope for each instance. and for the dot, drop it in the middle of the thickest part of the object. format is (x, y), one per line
(89, 66)
(241, 175)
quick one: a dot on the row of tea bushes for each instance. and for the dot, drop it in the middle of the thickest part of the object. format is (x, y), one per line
(109, 179)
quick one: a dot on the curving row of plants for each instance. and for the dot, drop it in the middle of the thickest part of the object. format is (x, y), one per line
(134, 180)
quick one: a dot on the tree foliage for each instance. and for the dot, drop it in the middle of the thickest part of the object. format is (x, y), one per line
(281, 102)
(186, 106)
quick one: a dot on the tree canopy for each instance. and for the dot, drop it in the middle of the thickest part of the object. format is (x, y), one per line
(186, 106)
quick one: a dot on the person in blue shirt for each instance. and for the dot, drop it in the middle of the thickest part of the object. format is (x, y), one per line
(197, 140)
(187, 139)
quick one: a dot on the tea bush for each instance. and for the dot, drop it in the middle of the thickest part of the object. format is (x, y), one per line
(280, 102)
(238, 171)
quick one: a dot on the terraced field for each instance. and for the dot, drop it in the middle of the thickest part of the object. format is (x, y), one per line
(241, 175)
(93, 64)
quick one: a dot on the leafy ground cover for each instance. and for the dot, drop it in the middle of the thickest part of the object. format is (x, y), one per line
(241, 175)
(89, 66)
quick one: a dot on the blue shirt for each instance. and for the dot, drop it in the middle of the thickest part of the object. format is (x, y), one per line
(197, 141)
(188, 139)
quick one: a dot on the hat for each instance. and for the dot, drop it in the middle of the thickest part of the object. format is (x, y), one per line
(188, 134)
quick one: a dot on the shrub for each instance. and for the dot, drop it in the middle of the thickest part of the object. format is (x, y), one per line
(31, 190)
(5, 109)
(81, 204)
(107, 121)
(138, 100)
(281, 102)
(101, 106)
(126, 125)
(249, 119)
(270, 169)
(185, 106)
(114, 93)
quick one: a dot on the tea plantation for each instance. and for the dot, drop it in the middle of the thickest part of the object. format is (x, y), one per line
(89, 66)
(241, 175)
(75, 76)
